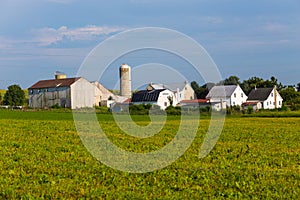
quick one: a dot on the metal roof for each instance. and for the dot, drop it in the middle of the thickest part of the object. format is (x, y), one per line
(221, 91)
(172, 86)
(67, 82)
(259, 94)
(146, 95)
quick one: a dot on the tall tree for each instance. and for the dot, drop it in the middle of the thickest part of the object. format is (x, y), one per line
(200, 92)
(14, 96)
(232, 80)
(298, 87)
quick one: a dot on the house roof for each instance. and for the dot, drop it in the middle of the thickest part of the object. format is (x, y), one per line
(250, 103)
(146, 95)
(171, 86)
(195, 101)
(67, 82)
(259, 94)
(221, 91)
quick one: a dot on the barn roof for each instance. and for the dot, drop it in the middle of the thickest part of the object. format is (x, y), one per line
(221, 91)
(67, 82)
(171, 86)
(259, 94)
(146, 95)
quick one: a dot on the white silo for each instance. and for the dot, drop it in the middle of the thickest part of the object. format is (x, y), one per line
(125, 80)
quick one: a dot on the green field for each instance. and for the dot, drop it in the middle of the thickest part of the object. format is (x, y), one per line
(43, 157)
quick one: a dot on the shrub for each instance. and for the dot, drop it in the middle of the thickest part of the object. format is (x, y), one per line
(249, 110)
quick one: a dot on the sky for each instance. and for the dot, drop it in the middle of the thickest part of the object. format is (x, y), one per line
(244, 38)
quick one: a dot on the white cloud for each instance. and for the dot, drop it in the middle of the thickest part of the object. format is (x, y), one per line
(275, 27)
(48, 36)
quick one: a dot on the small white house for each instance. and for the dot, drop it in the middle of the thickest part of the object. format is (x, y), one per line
(268, 97)
(161, 97)
(232, 95)
(182, 90)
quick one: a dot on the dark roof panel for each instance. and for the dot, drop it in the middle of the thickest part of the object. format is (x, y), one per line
(67, 82)
(260, 94)
(221, 91)
(146, 95)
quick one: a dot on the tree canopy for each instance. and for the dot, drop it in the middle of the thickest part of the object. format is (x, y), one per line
(14, 96)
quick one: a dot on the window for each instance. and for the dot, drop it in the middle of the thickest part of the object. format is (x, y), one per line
(234, 95)
(272, 94)
(166, 104)
(267, 103)
(274, 103)
(270, 102)
(279, 102)
(242, 95)
(234, 103)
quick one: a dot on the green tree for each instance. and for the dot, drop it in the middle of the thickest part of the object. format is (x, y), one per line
(289, 95)
(200, 92)
(232, 80)
(298, 87)
(14, 96)
(0, 99)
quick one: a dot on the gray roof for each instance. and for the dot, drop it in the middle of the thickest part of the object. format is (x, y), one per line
(221, 91)
(260, 94)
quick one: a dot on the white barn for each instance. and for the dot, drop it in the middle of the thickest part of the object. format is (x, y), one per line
(182, 91)
(231, 95)
(161, 97)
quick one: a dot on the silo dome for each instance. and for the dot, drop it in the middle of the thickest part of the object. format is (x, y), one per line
(123, 66)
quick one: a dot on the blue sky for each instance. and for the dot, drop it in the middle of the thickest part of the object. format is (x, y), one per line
(244, 38)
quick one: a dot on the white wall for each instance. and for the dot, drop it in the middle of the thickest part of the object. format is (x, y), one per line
(82, 94)
(238, 97)
(270, 102)
(163, 100)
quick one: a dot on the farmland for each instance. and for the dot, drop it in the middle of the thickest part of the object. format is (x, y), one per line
(42, 156)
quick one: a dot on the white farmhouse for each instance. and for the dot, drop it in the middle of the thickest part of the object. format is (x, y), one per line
(269, 98)
(161, 97)
(226, 95)
(182, 90)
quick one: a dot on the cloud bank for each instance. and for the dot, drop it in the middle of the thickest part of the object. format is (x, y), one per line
(48, 36)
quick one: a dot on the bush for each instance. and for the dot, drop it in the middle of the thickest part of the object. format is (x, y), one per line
(249, 110)
(171, 110)
(56, 106)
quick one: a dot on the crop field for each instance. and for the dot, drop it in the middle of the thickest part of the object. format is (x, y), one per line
(42, 156)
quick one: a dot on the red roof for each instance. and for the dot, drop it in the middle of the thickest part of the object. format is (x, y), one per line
(249, 103)
(67, 82)
(127, 100)
(195, 101)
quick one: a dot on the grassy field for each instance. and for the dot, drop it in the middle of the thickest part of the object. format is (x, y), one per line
(43, 157)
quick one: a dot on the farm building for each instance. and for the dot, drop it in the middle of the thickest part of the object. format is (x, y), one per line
(161, 97)
(268, 97)
(182, 91)
(227, 95)
(255, 105)
(67, 92)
